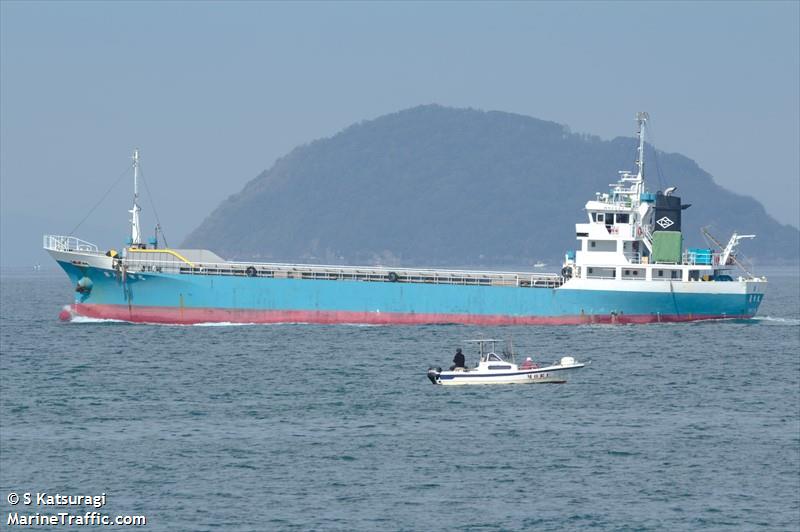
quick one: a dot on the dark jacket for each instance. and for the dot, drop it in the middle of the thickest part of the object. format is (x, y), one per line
(459, 361)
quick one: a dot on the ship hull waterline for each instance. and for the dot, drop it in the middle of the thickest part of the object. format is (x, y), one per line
(190, 316)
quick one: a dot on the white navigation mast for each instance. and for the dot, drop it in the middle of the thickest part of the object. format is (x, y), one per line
(641, 118)
(631, 186)
(136, 233)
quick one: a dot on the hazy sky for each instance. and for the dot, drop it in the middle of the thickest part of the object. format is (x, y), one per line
(212, 93)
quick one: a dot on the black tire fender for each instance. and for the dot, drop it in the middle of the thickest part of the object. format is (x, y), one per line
(251, 271)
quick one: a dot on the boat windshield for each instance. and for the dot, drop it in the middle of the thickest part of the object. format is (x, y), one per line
(485, 346)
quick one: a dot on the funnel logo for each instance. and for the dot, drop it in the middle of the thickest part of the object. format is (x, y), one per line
(665, 222)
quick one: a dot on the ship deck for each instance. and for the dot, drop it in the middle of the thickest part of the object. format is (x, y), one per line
(204, 262)
(349, 273)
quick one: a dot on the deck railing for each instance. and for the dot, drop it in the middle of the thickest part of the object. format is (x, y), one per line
(346, 273)
(68, 243)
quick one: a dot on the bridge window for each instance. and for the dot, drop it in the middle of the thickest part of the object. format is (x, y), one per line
(601, 273)
(623, 218)
(666, 275)
(633, 273)
(602, 245)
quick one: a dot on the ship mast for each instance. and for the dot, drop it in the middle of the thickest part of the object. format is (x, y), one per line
(136, 233)
(630, 186)
(641, 118)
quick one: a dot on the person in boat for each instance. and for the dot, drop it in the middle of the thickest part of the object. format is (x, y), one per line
(528, 364)
(458, 360)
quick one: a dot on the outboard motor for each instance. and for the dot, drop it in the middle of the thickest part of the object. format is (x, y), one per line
(433, 374)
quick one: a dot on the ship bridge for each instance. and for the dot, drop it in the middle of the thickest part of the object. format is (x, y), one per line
(633, 234)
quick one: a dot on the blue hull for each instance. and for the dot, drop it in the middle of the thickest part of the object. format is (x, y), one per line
(184, 298)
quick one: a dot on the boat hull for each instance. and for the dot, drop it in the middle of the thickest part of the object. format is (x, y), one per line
(188, 299)
(549, 375)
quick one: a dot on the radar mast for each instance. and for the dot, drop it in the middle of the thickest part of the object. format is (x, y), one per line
(136, 233)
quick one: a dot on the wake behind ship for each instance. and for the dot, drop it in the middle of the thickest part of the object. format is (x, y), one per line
(631, 267)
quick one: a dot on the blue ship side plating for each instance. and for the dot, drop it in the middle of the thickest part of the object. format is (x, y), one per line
(231, 292)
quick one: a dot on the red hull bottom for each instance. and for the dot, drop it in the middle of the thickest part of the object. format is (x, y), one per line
(189, 316)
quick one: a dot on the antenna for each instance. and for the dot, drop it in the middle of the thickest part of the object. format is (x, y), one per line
(642, 119)
(136, 233)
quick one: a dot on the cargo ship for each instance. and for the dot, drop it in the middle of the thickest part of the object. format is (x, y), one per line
(630, 266)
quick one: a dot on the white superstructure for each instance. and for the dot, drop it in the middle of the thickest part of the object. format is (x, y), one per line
(618, 240)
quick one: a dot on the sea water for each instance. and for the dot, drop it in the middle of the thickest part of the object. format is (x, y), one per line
(310, 427)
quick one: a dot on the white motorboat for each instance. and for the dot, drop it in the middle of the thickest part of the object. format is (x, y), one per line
(494, 368)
